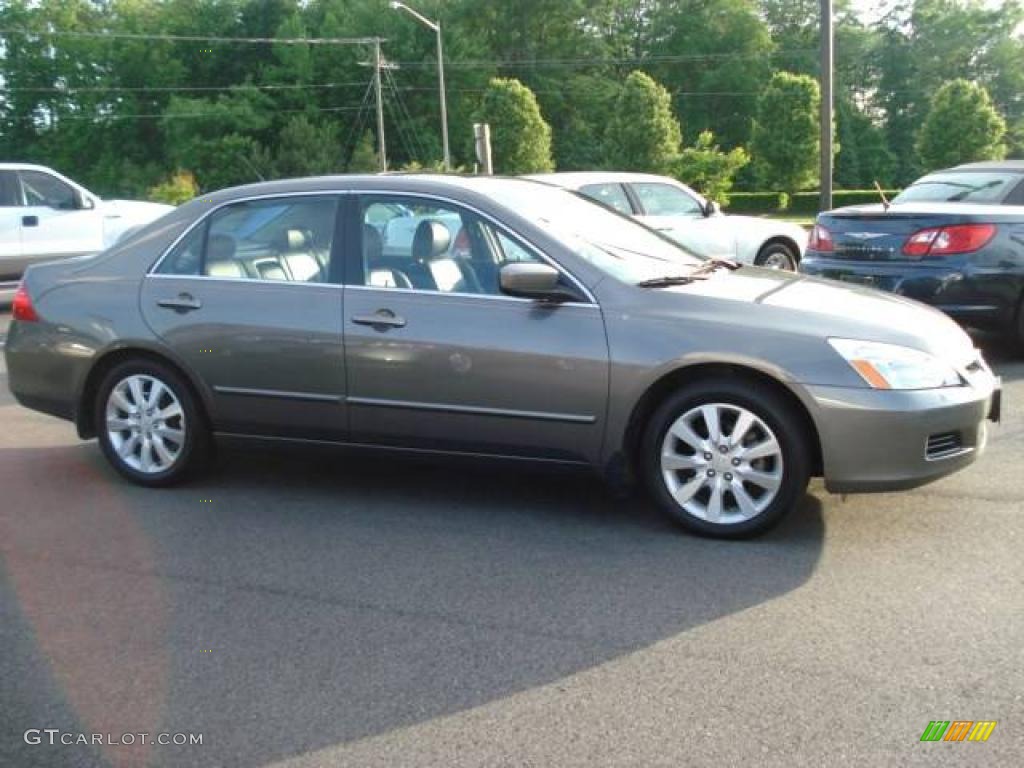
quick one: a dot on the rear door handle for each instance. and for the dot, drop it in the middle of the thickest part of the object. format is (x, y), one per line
(381, 318)
(30, 221)
(183, 302)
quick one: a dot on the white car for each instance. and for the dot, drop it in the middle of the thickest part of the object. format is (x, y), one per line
(673, 208)
(45, 216)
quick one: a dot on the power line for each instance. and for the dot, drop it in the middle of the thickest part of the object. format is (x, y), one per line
(170, 115)
(567, 63)
(197, 38)
(172, 88)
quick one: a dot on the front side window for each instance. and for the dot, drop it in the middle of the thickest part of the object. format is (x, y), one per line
(46, 190)
(286, 239)
(612, 195)
(424, 245)
(665, 200)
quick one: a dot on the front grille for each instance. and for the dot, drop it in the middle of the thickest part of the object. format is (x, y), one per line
(943, 445)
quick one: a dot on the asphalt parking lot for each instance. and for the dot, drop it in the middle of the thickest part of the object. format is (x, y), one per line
(315, 607)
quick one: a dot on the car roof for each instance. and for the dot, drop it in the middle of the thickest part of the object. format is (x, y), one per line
(24, 167)
(1014, 166)
(426, 183)
(577, 179)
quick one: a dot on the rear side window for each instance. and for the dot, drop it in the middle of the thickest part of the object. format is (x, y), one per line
(10, 194)
(612, 195)
(287, 239)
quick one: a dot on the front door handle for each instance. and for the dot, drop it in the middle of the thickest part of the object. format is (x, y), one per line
(383, 318)
(30, 221)
(183, 302)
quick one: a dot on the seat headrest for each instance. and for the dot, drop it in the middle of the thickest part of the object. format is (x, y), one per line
(373, 243)
(297, 239)
(220, 247)
(432, 239)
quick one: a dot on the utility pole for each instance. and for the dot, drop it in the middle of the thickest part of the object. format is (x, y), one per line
(825, 201)
(436, 26)
(382, 155)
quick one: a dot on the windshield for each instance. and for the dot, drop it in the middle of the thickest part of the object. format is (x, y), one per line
(612, 242)
(963, 187)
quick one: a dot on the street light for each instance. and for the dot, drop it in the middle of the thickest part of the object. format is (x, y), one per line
(436, 26)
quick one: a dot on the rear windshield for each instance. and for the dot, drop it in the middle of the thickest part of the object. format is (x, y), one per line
(962, 187)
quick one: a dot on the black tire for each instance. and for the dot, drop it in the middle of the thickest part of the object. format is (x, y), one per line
(776, 252)
(194, 448)
(768, 406)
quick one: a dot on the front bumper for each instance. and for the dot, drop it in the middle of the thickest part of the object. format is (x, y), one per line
(886, 440)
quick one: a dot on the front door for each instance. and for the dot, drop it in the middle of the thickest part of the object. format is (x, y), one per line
(251, 300)
(679, 215)
(439, 358)
(52, 224)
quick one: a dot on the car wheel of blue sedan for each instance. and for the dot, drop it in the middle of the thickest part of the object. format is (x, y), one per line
(148, 424)
(726, 459)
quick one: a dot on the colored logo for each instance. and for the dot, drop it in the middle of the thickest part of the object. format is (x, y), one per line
(958, 730)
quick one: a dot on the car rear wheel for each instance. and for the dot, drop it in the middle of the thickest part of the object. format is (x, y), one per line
(777, 256)
(726, 459)
(148, 423)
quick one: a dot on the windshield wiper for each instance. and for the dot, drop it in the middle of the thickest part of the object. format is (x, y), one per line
(669, 280)
(703, 272)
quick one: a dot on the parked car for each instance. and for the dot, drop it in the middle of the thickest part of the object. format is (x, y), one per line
(953, 239)
(45, 216)
(695, 222)
(562, 332)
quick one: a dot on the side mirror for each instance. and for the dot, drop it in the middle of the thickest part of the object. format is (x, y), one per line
(531, 280)
(711, 208)
(83, 202)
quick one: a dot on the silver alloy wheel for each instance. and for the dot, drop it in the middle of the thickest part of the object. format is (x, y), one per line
(145, 424)
(778, 260)
(721, 463)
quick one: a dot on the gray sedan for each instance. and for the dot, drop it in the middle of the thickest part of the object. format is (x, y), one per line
(516, 321)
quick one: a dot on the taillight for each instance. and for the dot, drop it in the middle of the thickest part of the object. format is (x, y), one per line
(22, 308)
(820, 240)
(947, 241)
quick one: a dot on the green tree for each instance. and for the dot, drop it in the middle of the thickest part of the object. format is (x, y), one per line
(307, 148)
(786, 145)
(708, 169)
(643, 134)
(364, 156)
(178, 188)
(961, 126)
(520, 138)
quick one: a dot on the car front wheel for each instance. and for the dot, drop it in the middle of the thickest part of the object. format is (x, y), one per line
(726, 458)
(148, 423)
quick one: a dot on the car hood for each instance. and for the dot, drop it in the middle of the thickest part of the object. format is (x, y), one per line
(769, 299)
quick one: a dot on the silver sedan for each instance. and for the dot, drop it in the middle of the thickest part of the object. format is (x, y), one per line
(518, 321)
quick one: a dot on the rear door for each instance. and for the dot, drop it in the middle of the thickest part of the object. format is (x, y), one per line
(11, 264)
(52, 225)
(251, 300)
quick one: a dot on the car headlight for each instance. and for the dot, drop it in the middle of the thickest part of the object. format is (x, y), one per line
(889, 366)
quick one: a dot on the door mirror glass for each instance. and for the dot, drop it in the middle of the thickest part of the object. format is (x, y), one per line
(531, 280)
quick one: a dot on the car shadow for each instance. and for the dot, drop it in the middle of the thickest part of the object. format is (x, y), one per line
(297, 598)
